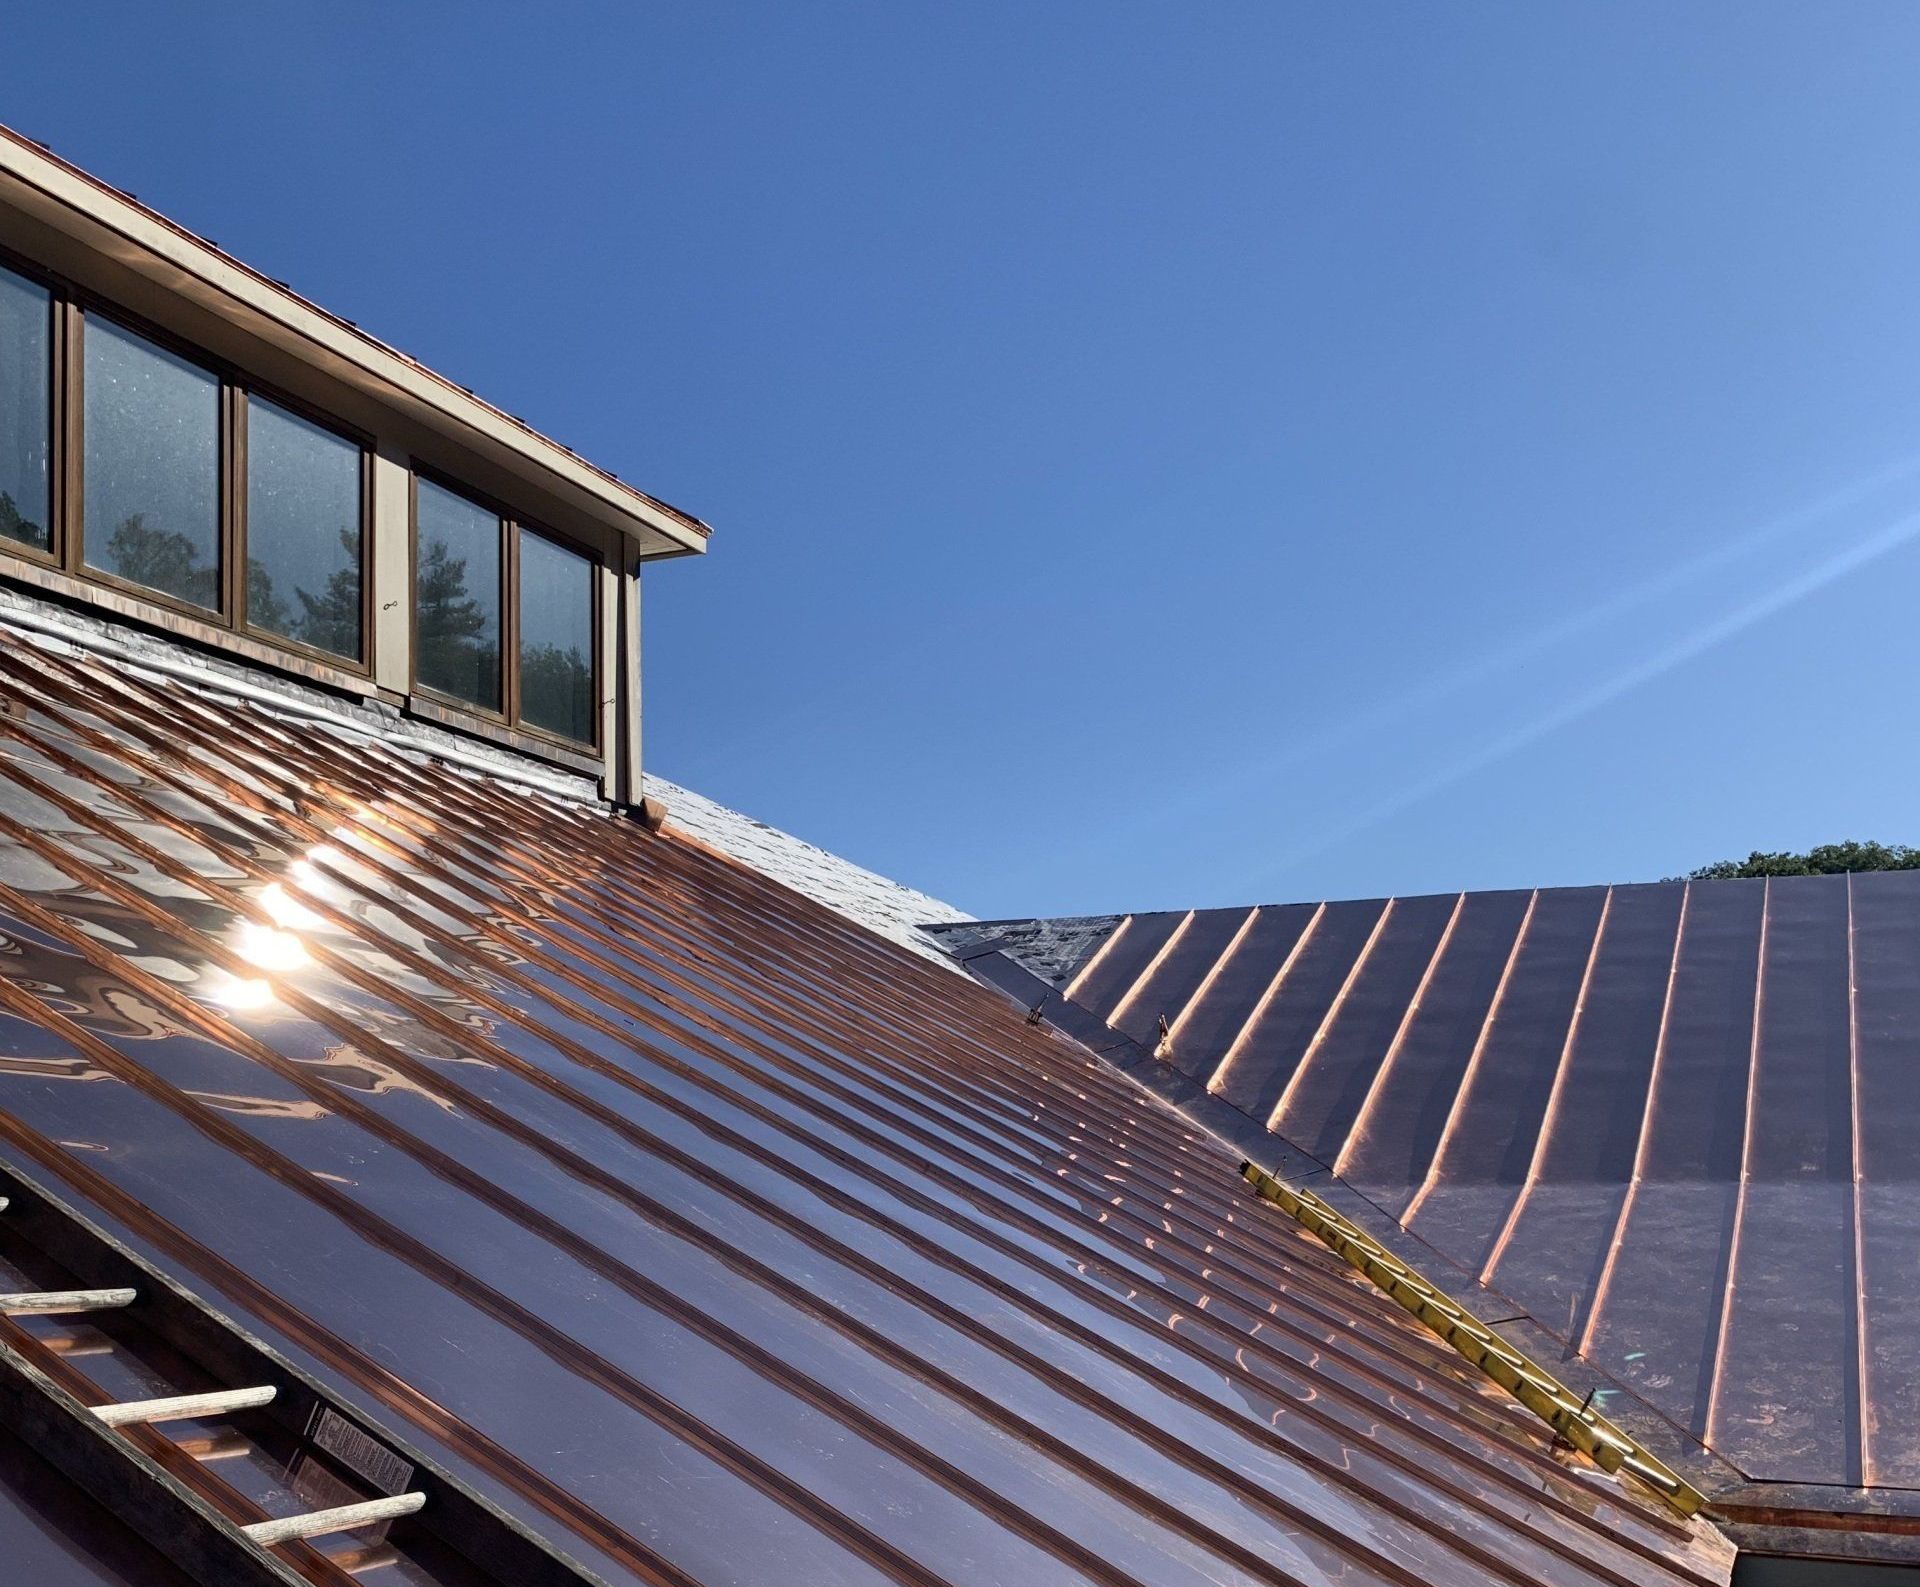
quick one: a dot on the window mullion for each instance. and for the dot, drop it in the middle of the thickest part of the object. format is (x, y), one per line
(69, 483)
(233, 506)
(510, 621)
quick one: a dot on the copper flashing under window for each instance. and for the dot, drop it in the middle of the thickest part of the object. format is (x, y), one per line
(713, 1236)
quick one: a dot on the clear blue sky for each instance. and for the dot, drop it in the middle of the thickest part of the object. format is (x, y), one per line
(1159, 455)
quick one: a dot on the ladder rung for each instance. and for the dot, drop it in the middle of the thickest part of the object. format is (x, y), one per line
(63, 1300)
(181, 1407)
(1535, 1388)
(344, 1519)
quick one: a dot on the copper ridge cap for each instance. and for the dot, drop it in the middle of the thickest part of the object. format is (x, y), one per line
(687, 521)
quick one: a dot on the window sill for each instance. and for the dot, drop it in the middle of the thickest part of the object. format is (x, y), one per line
(210, 636)
(429, 709)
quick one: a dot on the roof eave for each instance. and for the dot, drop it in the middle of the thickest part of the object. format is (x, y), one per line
(104, 220)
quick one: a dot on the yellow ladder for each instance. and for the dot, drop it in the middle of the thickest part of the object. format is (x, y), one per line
(1531, 1384)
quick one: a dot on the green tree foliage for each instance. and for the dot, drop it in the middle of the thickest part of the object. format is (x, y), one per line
(162, 559)
(331, 619)
(328, 621)
(1829, 859)
(265, 609)
(556, 690)
(15, 525)
(456, 645)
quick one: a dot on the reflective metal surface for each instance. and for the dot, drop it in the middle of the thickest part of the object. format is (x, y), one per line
(714, 1236)
(53, 1535)
(1675, 1123)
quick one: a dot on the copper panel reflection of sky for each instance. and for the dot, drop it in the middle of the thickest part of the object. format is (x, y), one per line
(705, 1231)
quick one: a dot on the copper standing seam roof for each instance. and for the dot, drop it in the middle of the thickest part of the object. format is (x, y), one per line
(713, 1235)
(1677, 1123)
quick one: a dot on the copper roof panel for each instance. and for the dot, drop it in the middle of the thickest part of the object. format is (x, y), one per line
(705, 1230)
(1671, 1124)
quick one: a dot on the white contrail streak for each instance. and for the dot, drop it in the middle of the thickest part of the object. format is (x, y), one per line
(1717, 632)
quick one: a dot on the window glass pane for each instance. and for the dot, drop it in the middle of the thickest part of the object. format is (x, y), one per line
(26, 317)
(152, 497)
(556, 638)
(456, 591)
(303, 530)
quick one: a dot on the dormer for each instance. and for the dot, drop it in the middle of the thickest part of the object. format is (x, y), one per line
(196, 449)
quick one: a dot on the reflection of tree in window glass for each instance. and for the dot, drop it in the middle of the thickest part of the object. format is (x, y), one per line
(25, 429)
(456, 593)
(303, 530)
(152, 465)
(556, 638)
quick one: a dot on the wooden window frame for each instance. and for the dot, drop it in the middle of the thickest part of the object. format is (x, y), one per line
(508, 720)
(242, 397)
(72, 306)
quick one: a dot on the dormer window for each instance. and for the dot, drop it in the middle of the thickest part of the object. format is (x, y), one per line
(304, 515)
(503, 619)
(189, 447)
(26, 412)
(150, 471)
(129, 462)
(556, 647)
(456, 598)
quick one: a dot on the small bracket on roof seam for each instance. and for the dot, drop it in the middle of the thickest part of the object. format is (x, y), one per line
(1034, 1015)
(1573, 1420)
(1164, 1047)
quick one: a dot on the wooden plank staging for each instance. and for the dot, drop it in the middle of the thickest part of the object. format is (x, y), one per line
(137, 1491)
(184, 1407)
(1529, 1383)
(85, 1442)
(342, 1518)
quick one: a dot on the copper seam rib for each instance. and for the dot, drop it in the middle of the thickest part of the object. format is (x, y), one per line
(1205, 985)
(1647, 1116)
(1356, 1131)
(1508, 1366)
(1464, 1087)
(559, 1242)
(1218, 1081)
(1150, 969)
(1354, 972)
(510, 1012)
(398, 1063)
(1862, 1399)
(1723, 1322)
(1543, 1137)
(1072, 988)
(913, 1455)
